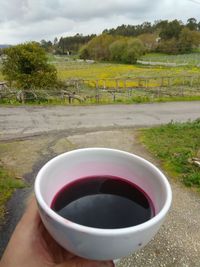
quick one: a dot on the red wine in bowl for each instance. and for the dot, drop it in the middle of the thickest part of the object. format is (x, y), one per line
(103, 202)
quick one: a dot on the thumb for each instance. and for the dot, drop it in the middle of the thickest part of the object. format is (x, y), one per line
(78, 262)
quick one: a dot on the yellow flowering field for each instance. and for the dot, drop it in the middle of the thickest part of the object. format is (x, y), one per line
(106, 73)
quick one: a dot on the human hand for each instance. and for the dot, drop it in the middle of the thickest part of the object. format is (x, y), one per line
(32, 246)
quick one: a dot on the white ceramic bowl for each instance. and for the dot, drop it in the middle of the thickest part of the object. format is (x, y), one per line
(95, 243)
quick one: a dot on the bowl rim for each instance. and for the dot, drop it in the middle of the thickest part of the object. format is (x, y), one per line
(99, 231)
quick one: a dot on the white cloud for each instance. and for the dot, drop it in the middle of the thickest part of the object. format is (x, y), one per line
(22, 20)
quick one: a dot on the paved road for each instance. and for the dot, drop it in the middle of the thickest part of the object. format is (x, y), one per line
(27, 121)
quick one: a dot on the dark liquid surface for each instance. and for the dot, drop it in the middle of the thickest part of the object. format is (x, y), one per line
(103, 202)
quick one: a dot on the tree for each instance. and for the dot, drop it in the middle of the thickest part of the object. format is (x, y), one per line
(171, 30)
(149, 41)
(160, 24)
(170, 46)
(117, 49)
(27, 66)
(72, 44)
(130, 30)
(192, 24)
(47, 45)
(98, 47)
(188, 40)
(84, 52)
(55, 42)
(184, 44)
(134, 50)
(61, 45)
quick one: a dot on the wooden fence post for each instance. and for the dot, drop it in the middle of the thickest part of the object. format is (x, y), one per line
(191, 81)
(77, 86)
(104, 84)
(146, 83)
(125, 84)
(182, 91)
(169, 82)
(117, 84)
(162, 82)
(158, 92)
(97, 84)
(114, 96)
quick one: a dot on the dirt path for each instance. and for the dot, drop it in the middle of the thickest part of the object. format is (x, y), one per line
(178, 241)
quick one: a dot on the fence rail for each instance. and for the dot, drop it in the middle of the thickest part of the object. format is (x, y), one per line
(137, 82)
(85, 90)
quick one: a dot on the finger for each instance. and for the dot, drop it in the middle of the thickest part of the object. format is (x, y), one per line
(31, 215)
(78, 262)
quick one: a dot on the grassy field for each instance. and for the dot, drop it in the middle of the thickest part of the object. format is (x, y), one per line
(178, 88)
(68, 69)
(76, 70)
(175, 145)
(109, 71)
(190, 59)
(7, 186)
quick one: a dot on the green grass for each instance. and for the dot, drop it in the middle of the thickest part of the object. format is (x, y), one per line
(68, 69)
(103, 100)
(190, 59)
(75, 70)
(175, 144)
(7, 186)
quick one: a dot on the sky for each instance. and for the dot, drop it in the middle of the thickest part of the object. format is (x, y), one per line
(28, 20)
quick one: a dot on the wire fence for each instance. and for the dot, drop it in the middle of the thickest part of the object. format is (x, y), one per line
(107, 90)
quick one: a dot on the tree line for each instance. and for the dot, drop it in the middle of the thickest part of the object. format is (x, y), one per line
(66, 45)
(128, 42)
(26, 65)
(148, 27)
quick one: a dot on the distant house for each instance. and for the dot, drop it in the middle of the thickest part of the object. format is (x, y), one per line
(158, 39)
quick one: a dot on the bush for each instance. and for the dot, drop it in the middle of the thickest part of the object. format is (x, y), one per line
(133, 51)
(27, 66)
(117, 49)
